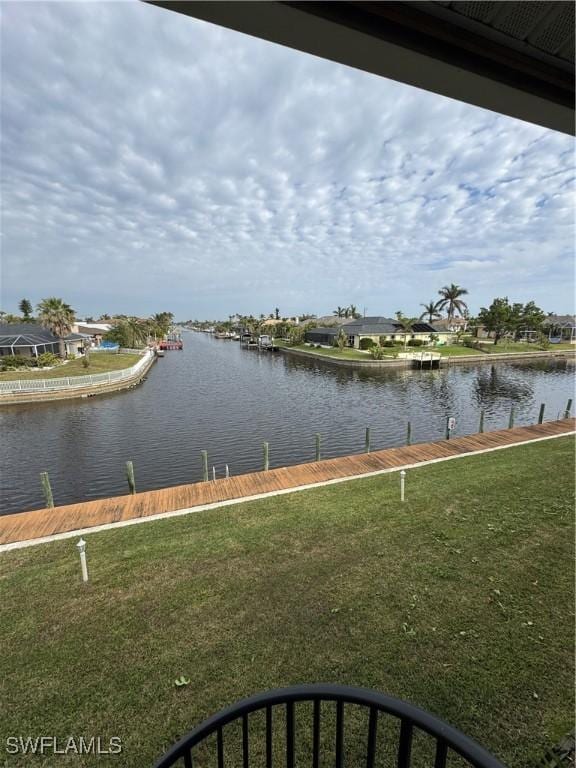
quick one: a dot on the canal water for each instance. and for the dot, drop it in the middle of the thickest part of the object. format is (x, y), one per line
(215, 396)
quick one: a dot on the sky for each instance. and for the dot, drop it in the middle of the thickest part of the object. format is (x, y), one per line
(153, 162)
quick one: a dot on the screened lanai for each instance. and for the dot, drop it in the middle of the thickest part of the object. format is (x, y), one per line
(26, 339)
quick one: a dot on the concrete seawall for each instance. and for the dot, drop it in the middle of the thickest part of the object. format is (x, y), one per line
(92, 390)
(487, 357)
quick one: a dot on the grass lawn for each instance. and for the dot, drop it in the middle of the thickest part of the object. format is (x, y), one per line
(100, 362)
(339, 354)
(517, 346)
(460, 601)
(453, 350)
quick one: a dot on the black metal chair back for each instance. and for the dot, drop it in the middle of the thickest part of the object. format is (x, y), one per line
(447, 739)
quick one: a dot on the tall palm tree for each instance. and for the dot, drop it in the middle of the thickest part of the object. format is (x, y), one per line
(406, 323)
(450, 298)
(430, 311)
(339, 311)
(58, 317)
(354, 311)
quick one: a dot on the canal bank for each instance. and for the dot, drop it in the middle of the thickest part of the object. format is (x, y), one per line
(391, 363)
(41, 525)
(28, 391)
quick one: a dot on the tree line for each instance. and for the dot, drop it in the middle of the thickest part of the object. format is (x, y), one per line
(59, 318)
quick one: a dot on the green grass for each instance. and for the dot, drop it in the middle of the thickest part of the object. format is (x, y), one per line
(339, 354)
(517, 346)
(454, 350)
(100, 362)
(460, 601)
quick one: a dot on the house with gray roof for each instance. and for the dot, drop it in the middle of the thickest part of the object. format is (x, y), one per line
(374, 328)
(32, 340)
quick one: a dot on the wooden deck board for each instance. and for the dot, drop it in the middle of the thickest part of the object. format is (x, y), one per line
(26, 526)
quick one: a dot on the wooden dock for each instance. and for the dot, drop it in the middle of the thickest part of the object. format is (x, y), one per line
(36, 524)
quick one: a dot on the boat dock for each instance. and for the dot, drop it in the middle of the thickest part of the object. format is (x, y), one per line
(36, 525)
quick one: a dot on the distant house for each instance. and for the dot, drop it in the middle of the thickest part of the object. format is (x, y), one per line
(453, 325)
(560, 327)
(32, 340)
(95, 331)
(375, 328)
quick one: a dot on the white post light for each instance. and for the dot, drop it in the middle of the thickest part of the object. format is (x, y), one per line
(402, 481)
(227, 471)
(82, 549)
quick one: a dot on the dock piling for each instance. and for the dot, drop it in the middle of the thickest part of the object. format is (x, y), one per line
(447, 428)
(204, 455)
(130, 477)
(511, 419)
(213, 472)
(481, 425)
(409, 434)
(227, 472)
(541, 414)
(568, 409)
(266, 455)
(47, 488)
(367, 441)
(318, 446)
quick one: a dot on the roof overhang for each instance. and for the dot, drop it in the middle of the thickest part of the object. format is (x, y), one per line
(436, 46)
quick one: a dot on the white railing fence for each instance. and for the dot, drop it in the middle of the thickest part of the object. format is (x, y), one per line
(75, 382)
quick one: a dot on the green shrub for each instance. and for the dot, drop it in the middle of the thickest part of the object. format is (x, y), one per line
(415, 342)
(388, 343)
(48, 360)
(366, 344)
(470, 341)
(296, 336)
(85, 361)
(71, 356)
(17, 361)
(9, 362)
(376, 352)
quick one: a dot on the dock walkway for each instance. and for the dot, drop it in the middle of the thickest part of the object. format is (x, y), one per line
(40, 523)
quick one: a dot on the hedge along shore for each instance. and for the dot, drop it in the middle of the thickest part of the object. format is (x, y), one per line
(90, 390)
(444, 361)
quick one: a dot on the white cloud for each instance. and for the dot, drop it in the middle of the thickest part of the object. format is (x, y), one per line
(169, 162)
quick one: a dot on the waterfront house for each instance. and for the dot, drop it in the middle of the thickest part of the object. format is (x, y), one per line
(32, 340)
(27, 340)
(375, 329)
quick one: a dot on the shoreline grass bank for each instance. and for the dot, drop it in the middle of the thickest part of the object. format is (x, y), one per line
(460, 600)
(100, 362)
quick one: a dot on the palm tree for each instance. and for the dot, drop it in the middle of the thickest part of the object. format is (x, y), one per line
(451, 299)
(58, 317)
(137, 331)
(354, 311)
(25, 307)
(339, 311)
(277, 313)
(406, 323)
(430, 311)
